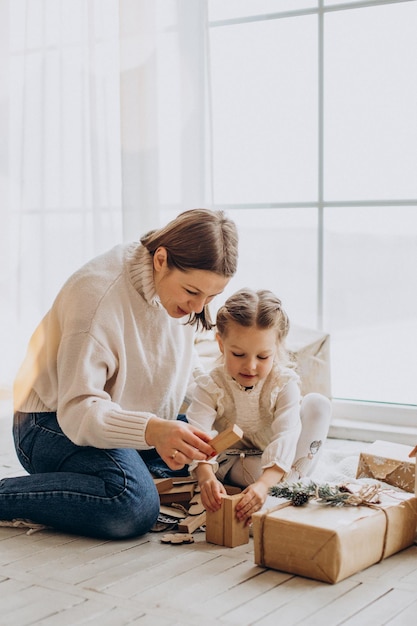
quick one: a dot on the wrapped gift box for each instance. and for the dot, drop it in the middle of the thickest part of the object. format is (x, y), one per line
(390, 463)
(331, 543)
(413, 455)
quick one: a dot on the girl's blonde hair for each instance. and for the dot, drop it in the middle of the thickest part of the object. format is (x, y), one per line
(198, 239)
(262, 309)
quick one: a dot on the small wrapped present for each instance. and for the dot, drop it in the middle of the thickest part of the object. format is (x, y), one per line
(413, 455)
(330, 543)
(390, 463)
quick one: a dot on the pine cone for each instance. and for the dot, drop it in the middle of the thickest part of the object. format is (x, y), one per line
(299, 498)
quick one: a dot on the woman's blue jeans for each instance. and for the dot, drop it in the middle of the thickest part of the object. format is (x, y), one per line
(77, 489)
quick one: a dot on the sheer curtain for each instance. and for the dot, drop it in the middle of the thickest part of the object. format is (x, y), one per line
(100, 133)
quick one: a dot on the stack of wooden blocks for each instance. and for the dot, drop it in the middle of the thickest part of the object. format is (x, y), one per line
(223, 528)
(180, 499)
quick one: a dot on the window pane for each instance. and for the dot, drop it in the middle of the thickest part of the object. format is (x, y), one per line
(278, 251)
(221, 10)
(370, 103)
(62, 158)
(169, 119)
(264, 107)
(371, 302)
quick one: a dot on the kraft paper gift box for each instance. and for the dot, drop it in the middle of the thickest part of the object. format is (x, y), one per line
(390, 463)
(413, 455)
(331, 543)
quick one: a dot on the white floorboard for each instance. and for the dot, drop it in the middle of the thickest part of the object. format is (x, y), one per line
(53, 579)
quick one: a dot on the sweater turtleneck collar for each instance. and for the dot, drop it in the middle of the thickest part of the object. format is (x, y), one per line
(140, 270)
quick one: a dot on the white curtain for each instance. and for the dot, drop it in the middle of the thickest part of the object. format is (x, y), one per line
(101, 139)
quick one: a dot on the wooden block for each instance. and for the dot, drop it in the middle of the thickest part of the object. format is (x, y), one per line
(227, 438)
(191, 523)
(235, 532)
(179, 493)
(223, 528)
(214, 526)
(196, 506)
(163, 484)
(183, 480)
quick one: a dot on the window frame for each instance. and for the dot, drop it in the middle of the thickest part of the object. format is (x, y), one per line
(363, 420)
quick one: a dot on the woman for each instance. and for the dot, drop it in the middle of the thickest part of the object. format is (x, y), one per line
(105, 375)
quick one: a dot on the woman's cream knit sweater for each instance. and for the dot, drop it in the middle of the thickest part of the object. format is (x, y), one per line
(107, 356)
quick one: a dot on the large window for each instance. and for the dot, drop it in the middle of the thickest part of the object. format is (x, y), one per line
(299, 117)
(312, 146)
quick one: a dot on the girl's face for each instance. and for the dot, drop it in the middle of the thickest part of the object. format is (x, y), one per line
(182, 293)
(248, 352)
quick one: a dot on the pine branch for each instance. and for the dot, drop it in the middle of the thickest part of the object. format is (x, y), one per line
(298, 493)
(330, 495)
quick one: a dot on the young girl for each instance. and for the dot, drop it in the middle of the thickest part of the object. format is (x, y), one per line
(256, 388)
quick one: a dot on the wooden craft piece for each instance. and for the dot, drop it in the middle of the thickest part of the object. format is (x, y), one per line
(196, 506)
(163, 484)
(172, 511)
(214, 526)
(183, 480)
(191, 523)
(227, 438)
(223, 528)
(178, 493)
(177, 538)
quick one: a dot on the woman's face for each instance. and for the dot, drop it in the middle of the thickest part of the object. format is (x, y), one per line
(182, 293)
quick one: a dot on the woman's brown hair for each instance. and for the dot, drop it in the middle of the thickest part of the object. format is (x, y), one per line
(198, 239)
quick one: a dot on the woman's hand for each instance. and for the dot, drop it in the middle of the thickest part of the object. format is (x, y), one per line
(177, 442)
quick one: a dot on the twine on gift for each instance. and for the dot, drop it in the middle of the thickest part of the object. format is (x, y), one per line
(368, 496)
(385, 537)
(365, 496)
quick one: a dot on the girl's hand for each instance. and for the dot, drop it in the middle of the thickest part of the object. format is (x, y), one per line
(211, 493)
(177, 442)
(253, 498)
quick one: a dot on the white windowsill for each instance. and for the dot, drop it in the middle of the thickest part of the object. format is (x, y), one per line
(364, 421)
(355, 421)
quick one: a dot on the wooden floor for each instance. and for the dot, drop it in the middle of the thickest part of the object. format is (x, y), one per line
(51, 578)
